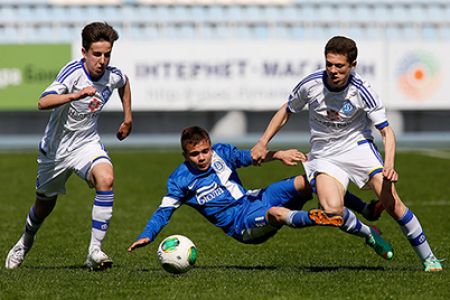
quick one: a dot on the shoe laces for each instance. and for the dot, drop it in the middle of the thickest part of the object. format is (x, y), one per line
(371, 240)
(433, 259)
(18, 253)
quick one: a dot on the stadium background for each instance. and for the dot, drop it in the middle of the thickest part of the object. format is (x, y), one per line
(227, 65)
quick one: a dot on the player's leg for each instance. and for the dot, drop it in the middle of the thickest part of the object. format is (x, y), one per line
(331, 198)
(265, 213)
(51, 179)
(370, 211)
(353, 225)
(42, 207)
(93, 164)
(408, 222)
(331, 193)
(279, 216)
(285, 200)
(296, 201)
(102, 177)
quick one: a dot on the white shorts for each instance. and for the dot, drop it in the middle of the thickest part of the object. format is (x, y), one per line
(357, 165)
(53, 174)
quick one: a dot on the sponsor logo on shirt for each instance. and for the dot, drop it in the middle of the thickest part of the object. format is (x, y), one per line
(209, 193)
(94, 105)
(78, 116)
(333, 125)
(333, 115)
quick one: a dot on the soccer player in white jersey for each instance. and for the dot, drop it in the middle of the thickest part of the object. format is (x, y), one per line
(208, 182)
(342, 108)
(71, 142)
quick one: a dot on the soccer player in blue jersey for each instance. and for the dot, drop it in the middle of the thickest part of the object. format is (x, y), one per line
(71, 142)
(207, 181)
(342, 109)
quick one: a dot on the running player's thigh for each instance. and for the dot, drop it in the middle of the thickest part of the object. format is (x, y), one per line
(87, 158)
(330, 192)
(52, 176)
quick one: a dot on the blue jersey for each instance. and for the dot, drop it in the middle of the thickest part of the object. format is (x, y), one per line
(217, 193)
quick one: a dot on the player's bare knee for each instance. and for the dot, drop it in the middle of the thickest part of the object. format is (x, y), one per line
(104, 182)
(278, 214)
(302, 185)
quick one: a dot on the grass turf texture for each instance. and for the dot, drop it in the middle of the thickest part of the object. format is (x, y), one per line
(312, 263)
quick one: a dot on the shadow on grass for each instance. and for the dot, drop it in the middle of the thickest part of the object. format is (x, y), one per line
(310, 269)
(300, 268)
(72, 267)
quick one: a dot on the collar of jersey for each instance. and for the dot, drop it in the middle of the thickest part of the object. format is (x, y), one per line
(87, 73)
(197, 171)
(324, 79)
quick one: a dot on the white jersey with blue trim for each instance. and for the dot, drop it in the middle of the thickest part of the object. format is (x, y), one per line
(216, 193)
(338, 119)
(74, 124)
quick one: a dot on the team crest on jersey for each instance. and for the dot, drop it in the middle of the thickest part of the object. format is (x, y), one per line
(218, 165)
(106, 93)
(347, 108)
(208, 193)
(94, 104)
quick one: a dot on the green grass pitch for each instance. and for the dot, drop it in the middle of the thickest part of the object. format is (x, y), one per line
(312, 263)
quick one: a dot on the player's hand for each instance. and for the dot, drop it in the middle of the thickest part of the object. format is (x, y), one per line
(139, 243)
(390, 174)
(85, 92)
(124, 131)
(259, 152)
(290, 157)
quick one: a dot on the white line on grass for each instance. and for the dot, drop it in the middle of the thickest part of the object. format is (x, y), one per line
(436, 153)
(430, 203)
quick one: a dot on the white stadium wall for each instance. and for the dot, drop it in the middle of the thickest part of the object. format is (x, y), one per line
(205, 75)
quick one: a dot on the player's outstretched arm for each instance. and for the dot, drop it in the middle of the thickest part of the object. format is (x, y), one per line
(51, 101)
(139, 243)
(259, 151)
(125, 97)
(289, 157)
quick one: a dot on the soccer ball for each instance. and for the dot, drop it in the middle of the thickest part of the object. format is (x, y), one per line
(177, 254)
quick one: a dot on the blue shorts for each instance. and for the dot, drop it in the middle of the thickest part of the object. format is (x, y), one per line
(252, 224)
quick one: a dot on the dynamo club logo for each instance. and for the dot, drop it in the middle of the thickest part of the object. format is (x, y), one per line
(419, 75)
(347, 108)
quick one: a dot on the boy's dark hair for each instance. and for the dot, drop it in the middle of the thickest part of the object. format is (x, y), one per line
(342, 45)
(192, 136)
(98, 31)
